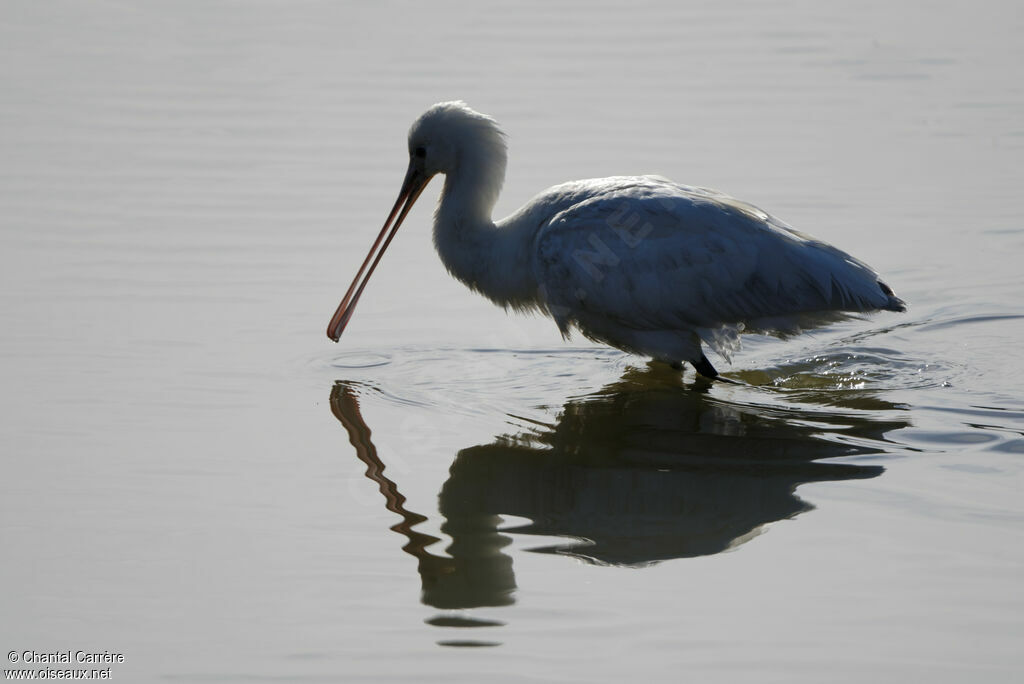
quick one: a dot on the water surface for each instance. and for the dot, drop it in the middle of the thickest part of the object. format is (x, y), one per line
(195, 477)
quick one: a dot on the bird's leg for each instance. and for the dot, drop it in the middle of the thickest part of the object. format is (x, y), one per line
(705, 368)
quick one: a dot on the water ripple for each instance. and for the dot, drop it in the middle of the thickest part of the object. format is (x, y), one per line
(478, 380)
(847, 367)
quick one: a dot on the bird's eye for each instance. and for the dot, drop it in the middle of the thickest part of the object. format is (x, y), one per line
(420, 152)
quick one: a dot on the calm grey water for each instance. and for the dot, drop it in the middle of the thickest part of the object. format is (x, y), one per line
(194, 477)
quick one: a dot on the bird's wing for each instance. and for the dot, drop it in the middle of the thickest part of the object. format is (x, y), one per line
(650, 254)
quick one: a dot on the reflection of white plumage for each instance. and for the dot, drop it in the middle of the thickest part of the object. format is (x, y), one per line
(637, 262)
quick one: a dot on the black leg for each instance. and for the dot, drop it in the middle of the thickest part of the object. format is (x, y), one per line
(705, 368)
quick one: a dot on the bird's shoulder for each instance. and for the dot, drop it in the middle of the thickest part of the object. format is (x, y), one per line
(652, 205)
(650, 219)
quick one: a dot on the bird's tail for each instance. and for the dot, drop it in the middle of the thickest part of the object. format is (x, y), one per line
(894, 303)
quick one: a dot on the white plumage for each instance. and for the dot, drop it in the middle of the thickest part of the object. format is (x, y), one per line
(637, 262)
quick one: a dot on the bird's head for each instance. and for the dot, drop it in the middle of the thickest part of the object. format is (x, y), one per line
(448, 138)
(450, 135)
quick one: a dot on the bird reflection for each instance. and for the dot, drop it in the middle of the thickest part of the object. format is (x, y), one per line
(641, 472)
(475, 572)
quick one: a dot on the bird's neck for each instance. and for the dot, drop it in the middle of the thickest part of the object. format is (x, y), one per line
(491, 259)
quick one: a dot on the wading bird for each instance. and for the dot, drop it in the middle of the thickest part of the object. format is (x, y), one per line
(638, 262)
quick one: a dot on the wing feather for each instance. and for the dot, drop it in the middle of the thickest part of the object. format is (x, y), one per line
(646, 253)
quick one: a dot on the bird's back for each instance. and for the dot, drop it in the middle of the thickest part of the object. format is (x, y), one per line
(649, 254)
